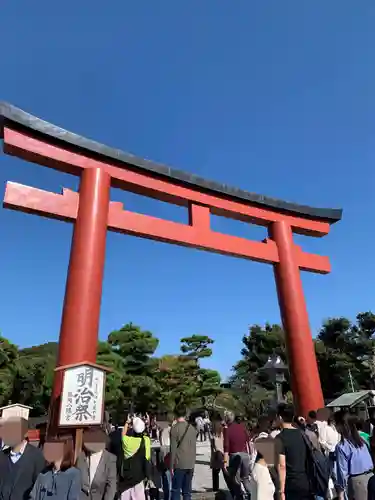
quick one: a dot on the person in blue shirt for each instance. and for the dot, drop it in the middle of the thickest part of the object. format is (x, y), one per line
(61, 480)
(354, 462)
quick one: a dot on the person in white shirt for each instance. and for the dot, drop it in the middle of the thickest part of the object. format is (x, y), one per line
(328, 435)
(200, 427)
(328, 439)
(206, 427)
(262, 486)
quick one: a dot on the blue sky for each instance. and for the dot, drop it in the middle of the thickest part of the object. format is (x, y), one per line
(276, 97)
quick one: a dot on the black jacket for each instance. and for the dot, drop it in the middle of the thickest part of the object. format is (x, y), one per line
(16, 481)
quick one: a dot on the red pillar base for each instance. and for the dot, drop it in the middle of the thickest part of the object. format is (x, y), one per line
(306, 387)
(81, 311)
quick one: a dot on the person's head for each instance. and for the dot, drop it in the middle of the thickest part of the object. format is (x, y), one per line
(265, 448)
(311, 417)
(138, 426)
(14, 431)
(180, 412)
(299, 422)
(360, 424)
(94, 440)
(275, 422)
(286, 414)
(331, 421)
(229, 417)
(263, 424)
(191, 419)
(346, 425)
(323, 414)
(217, 428)
(170, 419)
(59, 453)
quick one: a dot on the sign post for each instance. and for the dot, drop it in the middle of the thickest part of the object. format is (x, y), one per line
(82, 399)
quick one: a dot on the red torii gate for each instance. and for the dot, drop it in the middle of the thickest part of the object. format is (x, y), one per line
(92, 212)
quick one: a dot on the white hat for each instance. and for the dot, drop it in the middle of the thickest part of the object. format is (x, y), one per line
(138, 425)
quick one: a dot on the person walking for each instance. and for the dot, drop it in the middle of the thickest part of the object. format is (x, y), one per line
(183, 455)
(199, 424)
(291, 453)
(354, 462)
(262, 486)
(217, 453)
(206, 427)
(237, 456)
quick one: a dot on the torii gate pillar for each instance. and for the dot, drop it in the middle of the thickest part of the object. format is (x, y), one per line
(79, 330)
(83, 293)
(306, 387)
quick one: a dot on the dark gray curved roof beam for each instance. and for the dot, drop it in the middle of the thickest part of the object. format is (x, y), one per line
(21, 119)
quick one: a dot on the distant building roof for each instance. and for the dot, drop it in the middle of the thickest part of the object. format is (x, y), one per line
(13, 405)
(350, 399)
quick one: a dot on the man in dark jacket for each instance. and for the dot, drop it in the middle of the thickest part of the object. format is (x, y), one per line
(20, 463)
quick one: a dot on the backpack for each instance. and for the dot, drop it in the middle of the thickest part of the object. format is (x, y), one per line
(318, 469)
(135, 469)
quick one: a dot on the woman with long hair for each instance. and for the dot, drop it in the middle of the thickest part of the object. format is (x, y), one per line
(262, 486)
(61, 480)
(354, 463)
(262, 429)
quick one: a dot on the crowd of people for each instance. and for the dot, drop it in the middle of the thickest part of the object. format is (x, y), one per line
(283, 457)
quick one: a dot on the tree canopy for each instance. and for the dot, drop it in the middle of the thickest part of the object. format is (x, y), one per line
(345, 353)
(138, 379)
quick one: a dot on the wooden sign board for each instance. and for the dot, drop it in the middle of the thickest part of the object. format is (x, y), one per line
(82, 398)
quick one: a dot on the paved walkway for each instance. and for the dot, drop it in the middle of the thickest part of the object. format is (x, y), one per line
(202, 480)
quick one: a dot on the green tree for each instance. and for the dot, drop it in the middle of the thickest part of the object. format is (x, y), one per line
(33, 377)
(345, 353)
(196, 347)
(206, 382)
(115, 380)
(175, 382)
(136, 347)
(8, 368)
(250, 385)
(258, 345)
